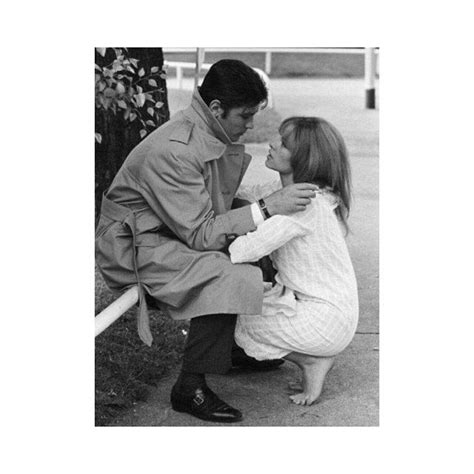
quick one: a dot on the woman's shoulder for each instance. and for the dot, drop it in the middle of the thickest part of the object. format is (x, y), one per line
(327, 198)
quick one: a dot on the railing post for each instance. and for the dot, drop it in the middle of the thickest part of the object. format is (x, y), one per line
(370, 78)
(200, 52)
(268, 62)
(179, 76)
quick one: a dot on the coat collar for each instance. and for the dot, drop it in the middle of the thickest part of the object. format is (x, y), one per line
(218, 142)
(206, 120)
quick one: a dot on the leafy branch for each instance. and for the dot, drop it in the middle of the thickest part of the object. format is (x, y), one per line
(123, 87)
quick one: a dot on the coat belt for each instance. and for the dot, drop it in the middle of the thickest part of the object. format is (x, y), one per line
(126, 216)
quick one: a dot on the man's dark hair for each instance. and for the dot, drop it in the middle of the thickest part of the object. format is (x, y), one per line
(234, 84)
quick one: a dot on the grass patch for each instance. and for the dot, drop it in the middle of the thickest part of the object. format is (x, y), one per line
(126, 369)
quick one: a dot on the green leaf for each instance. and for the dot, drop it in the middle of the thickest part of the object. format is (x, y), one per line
(141, 72)
(154, 69)
(126, 114)
(139, 89)
(109, 92)
(150, 123)
(98, 138)
(121, 104)
(163, 75)
(134, 61)
(117, 65)
(101, 51)
(158, 105)
(152, 83)
(143, 132)
(150, 111)
(140, 98)
(120, 88)
(133, 116)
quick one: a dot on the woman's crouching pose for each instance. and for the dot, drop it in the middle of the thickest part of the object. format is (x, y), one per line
(311, 313)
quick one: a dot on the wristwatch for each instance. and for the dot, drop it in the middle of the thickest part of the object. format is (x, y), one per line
(263, 208)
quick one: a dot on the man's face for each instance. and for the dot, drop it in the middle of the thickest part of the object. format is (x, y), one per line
(237, 121)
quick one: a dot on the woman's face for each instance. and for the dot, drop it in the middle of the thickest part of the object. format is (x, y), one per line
(279, 155)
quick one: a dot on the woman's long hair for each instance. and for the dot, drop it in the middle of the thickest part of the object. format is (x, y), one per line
(319, 155)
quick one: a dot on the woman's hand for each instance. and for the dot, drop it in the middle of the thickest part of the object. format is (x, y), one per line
(290, 199)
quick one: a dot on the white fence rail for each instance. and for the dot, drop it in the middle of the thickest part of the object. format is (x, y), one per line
(370, 60)
(110, 314)
(179, 66)
(268, 52)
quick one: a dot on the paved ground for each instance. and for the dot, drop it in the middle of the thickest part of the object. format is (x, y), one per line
(350, 397)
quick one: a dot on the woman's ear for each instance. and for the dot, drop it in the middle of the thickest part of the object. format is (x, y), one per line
(216, 108)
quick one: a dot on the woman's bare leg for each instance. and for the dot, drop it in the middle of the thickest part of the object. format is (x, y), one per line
(314, 371)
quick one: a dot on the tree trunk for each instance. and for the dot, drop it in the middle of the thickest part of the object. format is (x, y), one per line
(119, 136)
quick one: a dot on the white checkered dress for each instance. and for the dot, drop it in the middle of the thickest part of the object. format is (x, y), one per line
(313, 308)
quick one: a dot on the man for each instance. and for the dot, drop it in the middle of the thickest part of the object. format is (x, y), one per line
(166, 222)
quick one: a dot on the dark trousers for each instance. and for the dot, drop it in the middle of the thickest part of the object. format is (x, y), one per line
(210, 342)
(209, 345)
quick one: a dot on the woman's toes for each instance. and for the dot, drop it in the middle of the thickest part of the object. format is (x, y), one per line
(302, 399)
(298, 398)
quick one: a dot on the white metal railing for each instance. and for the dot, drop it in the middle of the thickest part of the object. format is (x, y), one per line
(268, 52)
(110, 314)
(371, 64)
(179, 66)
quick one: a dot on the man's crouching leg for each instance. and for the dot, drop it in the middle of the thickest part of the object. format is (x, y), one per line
(207, 351)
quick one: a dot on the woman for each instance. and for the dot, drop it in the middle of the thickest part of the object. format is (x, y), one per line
(311, 313)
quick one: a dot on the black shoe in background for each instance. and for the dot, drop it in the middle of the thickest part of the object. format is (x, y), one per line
(241, 362)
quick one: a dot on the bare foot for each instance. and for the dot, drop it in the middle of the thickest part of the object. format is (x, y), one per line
(295, 385)
(314, 370)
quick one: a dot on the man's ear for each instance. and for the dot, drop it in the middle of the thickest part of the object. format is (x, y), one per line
(216, 108)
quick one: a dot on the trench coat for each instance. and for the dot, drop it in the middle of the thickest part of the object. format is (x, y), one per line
(166, 222)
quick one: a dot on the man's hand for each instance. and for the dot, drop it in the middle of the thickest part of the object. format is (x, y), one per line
(290, 199)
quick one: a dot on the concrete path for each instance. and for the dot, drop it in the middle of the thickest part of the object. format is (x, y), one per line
(350, 396)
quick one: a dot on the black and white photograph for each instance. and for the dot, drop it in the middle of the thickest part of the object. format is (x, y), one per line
(237, 236)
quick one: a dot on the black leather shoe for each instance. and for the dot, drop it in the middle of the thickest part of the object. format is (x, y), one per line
(203, 403)
(245, 362)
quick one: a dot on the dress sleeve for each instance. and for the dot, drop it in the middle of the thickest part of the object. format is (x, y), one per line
(269, 236)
